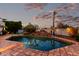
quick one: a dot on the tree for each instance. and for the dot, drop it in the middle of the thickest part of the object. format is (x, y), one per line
(3, 30)
(61, 25)
(30, 28)
(66, 26)
(12, 26)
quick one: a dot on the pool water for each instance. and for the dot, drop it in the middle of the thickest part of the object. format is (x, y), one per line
(42, 44)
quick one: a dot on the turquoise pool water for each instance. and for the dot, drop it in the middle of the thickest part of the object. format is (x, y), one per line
(43, 44)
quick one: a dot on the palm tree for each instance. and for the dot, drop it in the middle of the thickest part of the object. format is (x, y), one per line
(54, 13)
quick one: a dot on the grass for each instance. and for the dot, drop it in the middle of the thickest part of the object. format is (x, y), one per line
(67, 43)
(63, 36)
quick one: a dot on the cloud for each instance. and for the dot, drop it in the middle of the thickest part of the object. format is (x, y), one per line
(38, 6)
(44, 15)
(66, 8)
(63, 8)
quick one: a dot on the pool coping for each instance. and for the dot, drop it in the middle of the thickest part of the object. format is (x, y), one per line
(10, 46)
(50, 53)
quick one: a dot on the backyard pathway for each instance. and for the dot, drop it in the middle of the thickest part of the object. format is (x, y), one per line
(17, 50)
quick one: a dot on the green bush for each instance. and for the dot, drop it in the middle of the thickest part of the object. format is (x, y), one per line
(77, 37)
(30, 28)
(12, 26)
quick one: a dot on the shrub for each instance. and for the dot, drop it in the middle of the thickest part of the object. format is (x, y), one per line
(12, 26)
(77, 37)
(30, 28)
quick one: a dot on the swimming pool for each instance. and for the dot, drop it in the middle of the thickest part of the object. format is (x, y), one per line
(40, 43)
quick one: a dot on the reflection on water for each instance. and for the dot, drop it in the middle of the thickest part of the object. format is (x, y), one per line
(39, 44)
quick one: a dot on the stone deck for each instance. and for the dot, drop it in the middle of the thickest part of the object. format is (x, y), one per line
(17, 50)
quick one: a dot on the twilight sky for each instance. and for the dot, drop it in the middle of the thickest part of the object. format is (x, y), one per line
(20, 12)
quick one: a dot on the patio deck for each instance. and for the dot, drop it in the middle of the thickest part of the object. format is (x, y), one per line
(71, 50)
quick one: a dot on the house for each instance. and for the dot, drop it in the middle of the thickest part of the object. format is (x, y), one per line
(61, 32)
(20, 31)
